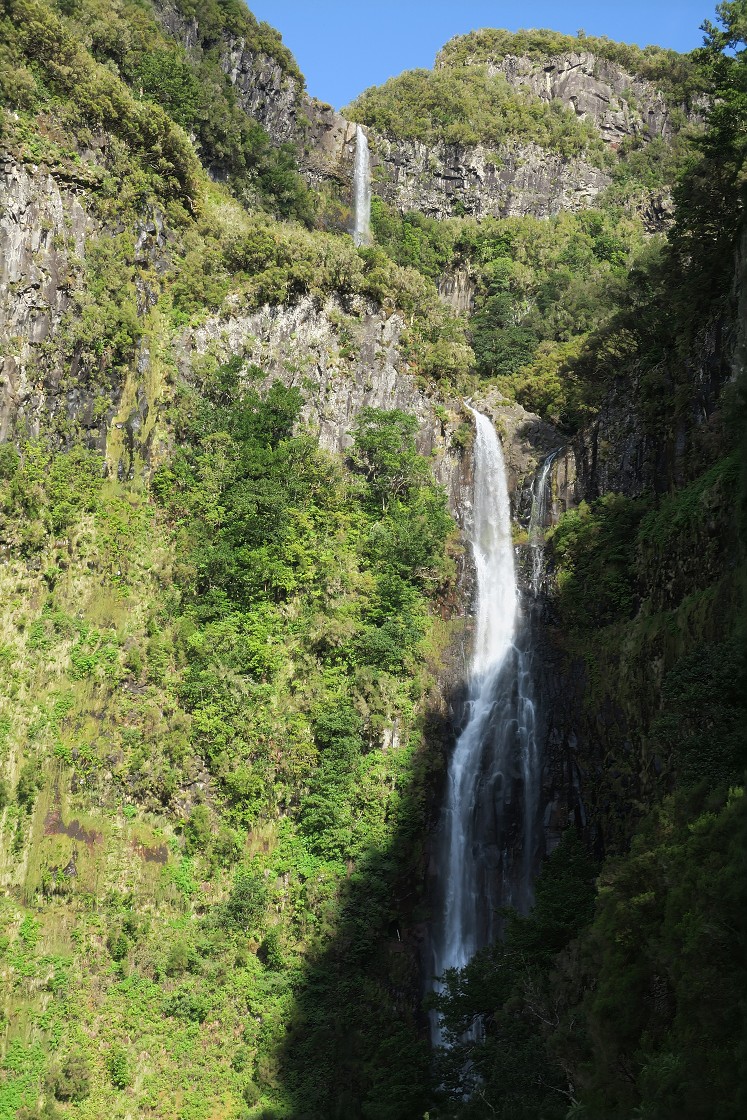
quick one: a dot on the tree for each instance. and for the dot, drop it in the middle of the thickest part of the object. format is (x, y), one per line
(384, 452)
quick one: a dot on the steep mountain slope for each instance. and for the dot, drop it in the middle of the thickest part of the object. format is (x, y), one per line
(531, 123)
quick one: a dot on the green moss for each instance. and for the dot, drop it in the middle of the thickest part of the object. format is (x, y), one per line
(678, 518)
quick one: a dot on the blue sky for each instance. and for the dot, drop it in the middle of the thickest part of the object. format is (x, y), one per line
(343, 46)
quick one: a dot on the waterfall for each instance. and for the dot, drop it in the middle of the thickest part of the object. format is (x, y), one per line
(488, 837)
(362, 189)
(538, 519)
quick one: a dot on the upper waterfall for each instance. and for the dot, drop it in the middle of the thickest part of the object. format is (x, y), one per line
(362, 189)
(493, 554)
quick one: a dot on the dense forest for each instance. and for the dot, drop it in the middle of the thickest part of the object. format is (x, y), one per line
(236, 592)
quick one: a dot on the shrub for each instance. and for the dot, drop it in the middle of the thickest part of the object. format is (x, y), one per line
(29, 783)
(117, 1063)
(118, 945)
(71, 1079)
(187, 1004)
(246, 902)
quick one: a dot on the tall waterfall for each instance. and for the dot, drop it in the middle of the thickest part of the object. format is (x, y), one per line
(489, 827)
(362, 189)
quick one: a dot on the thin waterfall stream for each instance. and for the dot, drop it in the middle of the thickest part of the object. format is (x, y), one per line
(488, 844)
(361, 189)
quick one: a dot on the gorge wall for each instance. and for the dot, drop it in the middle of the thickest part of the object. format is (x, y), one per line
(443, 180)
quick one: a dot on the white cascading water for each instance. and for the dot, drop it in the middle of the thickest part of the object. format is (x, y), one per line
(537, 520)
(362, 189)
(488, 840)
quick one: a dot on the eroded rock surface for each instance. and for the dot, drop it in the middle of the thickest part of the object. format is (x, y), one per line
(43, 230)
(619, 104)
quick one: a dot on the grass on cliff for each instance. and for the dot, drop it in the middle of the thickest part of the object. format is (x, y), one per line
(198, 804)
(470, 107)
(677, 74)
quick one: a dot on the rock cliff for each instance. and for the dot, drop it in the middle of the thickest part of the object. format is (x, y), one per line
(43, 230)
(620, 104)
(622, 452)
(449, 179)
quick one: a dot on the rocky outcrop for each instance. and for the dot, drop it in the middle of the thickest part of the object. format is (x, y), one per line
(185, 29)
(324, 140)
(456, 288)
(619, 104)
(264, 90)
(345, 357)
(43, 230)
(342, 358)
(447, 180)
(46, 226)
(527, 441)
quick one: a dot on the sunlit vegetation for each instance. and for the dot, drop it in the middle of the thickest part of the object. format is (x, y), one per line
(77, 67)
(470, 106)
(677, 74)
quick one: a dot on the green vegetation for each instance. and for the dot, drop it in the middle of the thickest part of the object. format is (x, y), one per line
(73, 68)
(676, 74)
(469, 107)
(271, 656)
(413, 240)
(545, 290)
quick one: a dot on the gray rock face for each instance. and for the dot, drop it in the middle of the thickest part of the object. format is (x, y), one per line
(457, 290)
(309, 348)
(451, 179)
(618, 103)
(526, 440)
(323, 139)
(43, 229)
(264, 90)
(180, 27)
(619, 453)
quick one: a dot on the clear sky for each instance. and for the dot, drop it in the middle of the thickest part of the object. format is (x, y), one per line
(343, 46)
